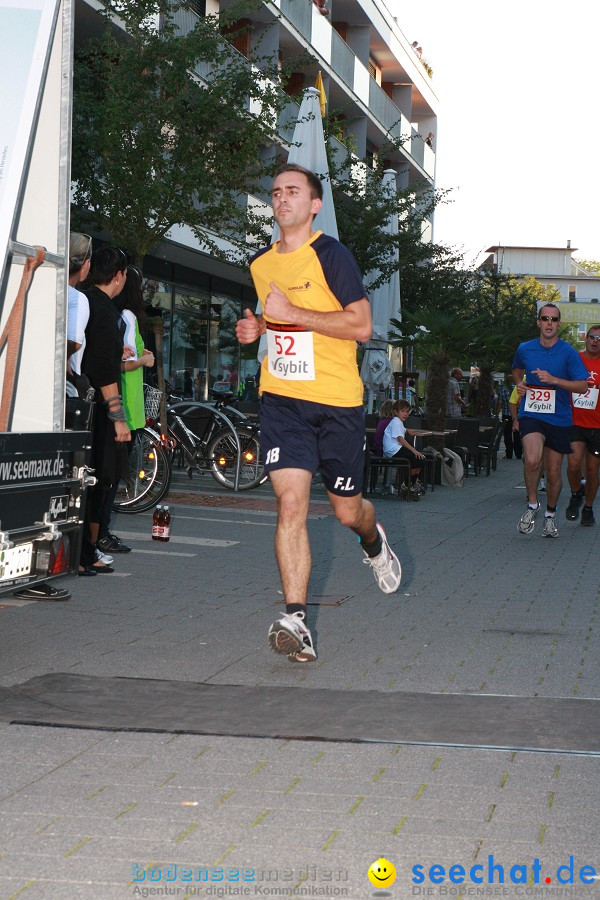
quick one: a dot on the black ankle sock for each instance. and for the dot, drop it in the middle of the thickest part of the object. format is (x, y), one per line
(295, 607)
(373, 549)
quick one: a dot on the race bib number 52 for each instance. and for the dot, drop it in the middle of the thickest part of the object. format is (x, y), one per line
(540, 400)
(291, 354)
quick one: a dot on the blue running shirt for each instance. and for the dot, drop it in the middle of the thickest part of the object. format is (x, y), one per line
(561, 360)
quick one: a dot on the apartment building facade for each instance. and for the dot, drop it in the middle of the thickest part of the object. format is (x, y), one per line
(371, 75)
(555, 266)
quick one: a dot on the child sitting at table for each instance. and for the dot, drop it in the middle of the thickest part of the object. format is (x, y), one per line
(395, 445)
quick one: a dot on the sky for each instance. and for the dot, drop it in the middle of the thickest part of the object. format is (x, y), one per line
(518, 136)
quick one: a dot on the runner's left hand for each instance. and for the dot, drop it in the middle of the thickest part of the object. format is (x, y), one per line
(277, 306)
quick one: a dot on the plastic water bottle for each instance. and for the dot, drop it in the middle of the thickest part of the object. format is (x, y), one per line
(166, 525)
(157, 524)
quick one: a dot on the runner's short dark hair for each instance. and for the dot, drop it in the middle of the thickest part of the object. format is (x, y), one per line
(544, 305)
(314, 182)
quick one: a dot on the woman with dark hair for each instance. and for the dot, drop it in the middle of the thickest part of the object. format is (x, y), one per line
(102, 364)
(131, 305)
(130, 302)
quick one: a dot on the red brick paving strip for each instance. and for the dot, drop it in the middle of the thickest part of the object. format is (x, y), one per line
(226, 501)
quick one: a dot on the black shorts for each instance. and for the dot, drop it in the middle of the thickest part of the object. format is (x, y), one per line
(300, 434)
(556, 437)
(588, 436)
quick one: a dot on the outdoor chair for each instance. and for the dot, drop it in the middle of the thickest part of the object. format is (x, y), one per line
(490, 443)
(375, 464)
(467, 445)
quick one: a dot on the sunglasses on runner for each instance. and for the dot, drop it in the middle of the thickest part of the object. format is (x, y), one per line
(594, 337)
(549, 318)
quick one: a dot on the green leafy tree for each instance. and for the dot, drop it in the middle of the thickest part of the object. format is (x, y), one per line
(441, 340)
(592, 265)
(162, 132)
(508, 306)
(363, 208)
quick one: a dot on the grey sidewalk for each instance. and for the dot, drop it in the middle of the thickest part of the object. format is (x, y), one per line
(481, 609)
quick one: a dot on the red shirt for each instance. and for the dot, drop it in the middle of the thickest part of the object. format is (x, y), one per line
(588, 415)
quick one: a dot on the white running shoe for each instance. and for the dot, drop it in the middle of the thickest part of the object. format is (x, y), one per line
(550, 529)
(290, 636)
(386, 566)
(105, 558)
(527, 520)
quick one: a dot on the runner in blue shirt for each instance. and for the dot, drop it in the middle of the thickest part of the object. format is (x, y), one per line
(547, 370)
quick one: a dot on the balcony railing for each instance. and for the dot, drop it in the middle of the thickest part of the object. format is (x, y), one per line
(287, 119)
(344, 63)
(417, 147)
(299, 13)
(185, 19)
(385, 110)
(342, 59)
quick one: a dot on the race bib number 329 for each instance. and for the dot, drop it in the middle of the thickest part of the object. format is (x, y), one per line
(291, 355)
(540, 400)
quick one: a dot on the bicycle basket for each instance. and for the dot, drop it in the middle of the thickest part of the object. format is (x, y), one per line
(152, 398)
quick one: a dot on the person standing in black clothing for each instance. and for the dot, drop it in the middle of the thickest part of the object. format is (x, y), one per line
(512, 438)
(102, 365)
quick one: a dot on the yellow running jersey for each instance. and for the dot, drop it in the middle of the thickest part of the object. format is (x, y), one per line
(321, 275)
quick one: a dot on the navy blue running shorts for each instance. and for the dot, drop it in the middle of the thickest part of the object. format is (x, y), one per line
(557, 437)
(300, 434)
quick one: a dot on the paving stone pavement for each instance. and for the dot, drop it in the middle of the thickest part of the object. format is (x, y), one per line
(481, 609)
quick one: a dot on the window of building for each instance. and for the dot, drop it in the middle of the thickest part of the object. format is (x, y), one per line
(371, 154)
(374, 70)
(582, 328)
(198, 315)
(198, 6)
(572, 293)
(238, 35)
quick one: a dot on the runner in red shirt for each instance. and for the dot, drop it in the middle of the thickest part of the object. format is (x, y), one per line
(586, 433)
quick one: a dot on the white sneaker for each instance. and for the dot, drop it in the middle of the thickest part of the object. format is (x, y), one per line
(527, 520)
(290, 636)
(550, 529)
(105, 558)
(386, 566)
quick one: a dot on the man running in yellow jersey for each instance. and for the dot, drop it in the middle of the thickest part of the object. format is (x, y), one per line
(312, 417)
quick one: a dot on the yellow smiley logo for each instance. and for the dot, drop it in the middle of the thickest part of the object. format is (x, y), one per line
(381, 873)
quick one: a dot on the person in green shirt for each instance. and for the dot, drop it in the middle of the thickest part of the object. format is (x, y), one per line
(130, 302)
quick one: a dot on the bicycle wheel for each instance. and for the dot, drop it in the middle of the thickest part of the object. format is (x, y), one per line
(222, 454)
(149, 475)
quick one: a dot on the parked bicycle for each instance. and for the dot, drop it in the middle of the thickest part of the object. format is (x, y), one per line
(203, 433)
